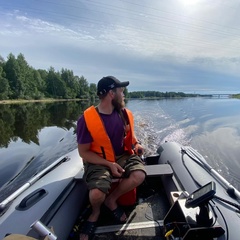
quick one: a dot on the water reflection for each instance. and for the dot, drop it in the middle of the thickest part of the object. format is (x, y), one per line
(33, 135)
(26, 120)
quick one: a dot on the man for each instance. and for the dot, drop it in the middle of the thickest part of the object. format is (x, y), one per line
(106, 139)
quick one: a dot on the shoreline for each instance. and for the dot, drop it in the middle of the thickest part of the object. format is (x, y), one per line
(18, 101)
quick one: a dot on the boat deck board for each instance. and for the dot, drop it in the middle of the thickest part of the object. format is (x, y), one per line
(145, 219)
(144, 222)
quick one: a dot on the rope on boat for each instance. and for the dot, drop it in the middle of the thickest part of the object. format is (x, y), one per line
(30, 182)
(231, 190)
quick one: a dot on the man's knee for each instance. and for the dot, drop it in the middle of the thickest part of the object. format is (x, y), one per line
(96, 195)
(138, 176)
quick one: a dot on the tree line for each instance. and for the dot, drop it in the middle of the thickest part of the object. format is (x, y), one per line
(157, 95)
(18, 80)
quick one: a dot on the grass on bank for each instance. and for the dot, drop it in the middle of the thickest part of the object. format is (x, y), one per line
(17, 101)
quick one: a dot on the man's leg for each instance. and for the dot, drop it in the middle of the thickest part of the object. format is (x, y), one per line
(126, 184)
(96, 198)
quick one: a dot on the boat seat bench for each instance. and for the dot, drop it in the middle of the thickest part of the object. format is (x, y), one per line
(158, 170)
(151, 170)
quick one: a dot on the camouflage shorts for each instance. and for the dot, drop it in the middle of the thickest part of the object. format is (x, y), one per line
(98, 176)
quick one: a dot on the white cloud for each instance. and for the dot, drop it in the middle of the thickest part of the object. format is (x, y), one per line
(173, 43)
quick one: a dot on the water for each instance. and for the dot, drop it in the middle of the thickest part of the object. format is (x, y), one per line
(211, 126)
(34, 135)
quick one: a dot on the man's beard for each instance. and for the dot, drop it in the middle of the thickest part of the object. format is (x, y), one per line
(118, 105)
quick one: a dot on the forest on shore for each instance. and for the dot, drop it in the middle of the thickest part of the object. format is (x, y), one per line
(18, 80)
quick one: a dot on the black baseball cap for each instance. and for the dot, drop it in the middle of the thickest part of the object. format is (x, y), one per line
(107, 83)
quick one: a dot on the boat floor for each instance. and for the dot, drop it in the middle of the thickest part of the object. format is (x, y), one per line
(145, 219)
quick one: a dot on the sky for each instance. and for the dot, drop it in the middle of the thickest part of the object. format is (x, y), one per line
(190, 46)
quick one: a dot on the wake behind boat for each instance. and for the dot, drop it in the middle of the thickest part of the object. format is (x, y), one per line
(181, 198)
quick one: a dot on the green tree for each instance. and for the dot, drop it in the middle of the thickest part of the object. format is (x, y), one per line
(136, 95)
(43, 74)
(40, 85)
(4, 86)
(20, 77)
(83, 88)
(11, 69)
(126, 93)
(55, 85)
(93, 91)
(29, 86)
(71, 83)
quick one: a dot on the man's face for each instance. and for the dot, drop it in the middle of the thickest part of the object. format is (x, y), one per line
(118, 100)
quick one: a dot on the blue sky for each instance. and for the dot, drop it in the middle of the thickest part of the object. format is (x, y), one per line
(161, 45)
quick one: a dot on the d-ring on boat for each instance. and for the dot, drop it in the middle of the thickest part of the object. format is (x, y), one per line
(183, 197)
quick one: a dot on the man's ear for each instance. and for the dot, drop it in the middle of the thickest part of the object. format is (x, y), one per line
(111, 92)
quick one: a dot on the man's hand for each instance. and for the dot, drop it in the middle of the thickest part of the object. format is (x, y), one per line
(116, 169)
(139, 149)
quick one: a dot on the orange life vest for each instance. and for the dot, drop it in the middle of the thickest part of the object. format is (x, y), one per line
(101, 142)
(129, 140)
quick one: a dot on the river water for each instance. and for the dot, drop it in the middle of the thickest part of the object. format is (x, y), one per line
(34, 135)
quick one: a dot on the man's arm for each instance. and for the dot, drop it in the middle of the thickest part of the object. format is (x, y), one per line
(93, 158)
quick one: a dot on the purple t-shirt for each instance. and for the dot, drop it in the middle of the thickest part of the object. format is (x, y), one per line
(114, 126)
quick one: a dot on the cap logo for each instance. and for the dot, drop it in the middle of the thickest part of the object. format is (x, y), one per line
(103, 91)
(112, 85)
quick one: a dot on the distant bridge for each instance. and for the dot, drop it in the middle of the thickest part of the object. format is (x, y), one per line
(221, 95)
(217, 95)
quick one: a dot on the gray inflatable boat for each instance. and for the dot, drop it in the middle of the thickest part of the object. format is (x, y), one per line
(181, 198)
